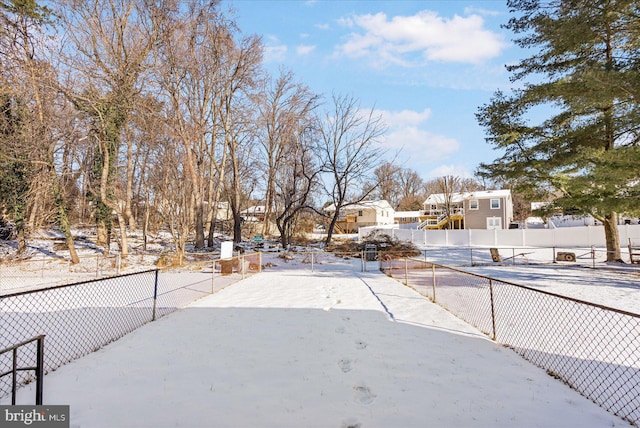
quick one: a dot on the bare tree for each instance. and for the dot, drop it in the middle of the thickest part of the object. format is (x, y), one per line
(237, 126)
(190, 70)
(173, 198)
(350, 152)
(387, 178)
(28, 114)
(110, 45)
(411, 189)
(283, 107)
(296, 179)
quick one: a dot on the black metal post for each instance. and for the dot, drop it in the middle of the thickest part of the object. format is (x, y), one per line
(493, 311)
(40, 371)
(155, 297)
(14, 375)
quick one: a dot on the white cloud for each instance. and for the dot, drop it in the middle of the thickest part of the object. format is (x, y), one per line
(274, 50)
(322, 26)
(408, 137)
(417, 143)
(397, 119)
(454, 170)
(305, 49)
(480, 11)
(426, 34)
(407, 134)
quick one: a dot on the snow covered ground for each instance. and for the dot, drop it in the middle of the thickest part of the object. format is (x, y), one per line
(614, 285)
(331, 348)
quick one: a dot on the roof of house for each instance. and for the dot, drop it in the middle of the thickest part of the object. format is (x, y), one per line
(439, 198)
(379, 205)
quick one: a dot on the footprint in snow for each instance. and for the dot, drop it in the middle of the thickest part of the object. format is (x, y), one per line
(360, 344)
(345, 365)
(351, 423)
(363, 394)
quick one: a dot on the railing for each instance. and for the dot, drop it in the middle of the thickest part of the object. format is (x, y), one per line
(38, 368)
(443, 211)
(593, 348)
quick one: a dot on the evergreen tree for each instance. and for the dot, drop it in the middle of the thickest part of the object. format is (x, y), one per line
(584, 74)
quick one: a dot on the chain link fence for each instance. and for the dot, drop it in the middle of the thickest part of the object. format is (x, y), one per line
(34, 272)
(317, 261)
(80, 318)
(593, 348)
(461, 256)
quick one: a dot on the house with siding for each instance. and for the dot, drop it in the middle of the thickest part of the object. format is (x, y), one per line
(409, 217)
(365, 213)
(487, 209)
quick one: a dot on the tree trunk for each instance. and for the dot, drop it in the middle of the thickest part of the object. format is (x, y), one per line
(63, 219)
(103, 234)
(199, 215)
(128, 213)
(332, 225)
(237, 229)
(124, 241)
(22, 239)
(610, 222)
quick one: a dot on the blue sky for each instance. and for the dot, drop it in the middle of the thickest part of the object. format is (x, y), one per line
(425, 66)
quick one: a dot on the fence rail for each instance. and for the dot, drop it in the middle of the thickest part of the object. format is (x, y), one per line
(581, 236)
(593, 348)
(80, 318)
(38, 368)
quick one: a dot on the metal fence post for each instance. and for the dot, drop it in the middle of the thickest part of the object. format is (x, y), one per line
(433, 280)
(593, 256)
(312, 257)
(39, 370)
(406, 272)
(213, 273)
(14, 375)
(155, 296)
(554, 255)
(493, 311)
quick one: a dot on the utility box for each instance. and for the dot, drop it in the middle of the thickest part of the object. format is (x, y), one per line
(370, 252)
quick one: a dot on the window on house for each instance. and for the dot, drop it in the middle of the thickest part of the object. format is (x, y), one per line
(473, 204)
(359, 213)
(495, 204)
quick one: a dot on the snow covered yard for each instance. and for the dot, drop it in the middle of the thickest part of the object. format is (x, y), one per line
(610, 284)
(331, 348)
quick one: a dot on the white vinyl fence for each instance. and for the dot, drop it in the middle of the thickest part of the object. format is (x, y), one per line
(582, 236)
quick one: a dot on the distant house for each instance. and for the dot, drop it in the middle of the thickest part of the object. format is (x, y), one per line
(253, 214)
(409, 217)
(489, 209)
(366, 213)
